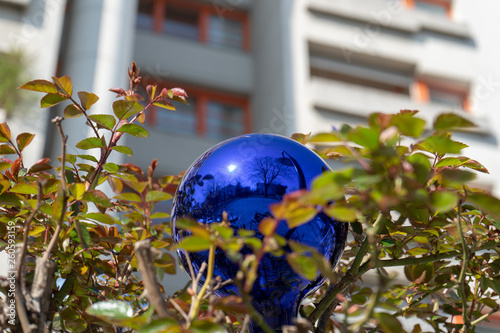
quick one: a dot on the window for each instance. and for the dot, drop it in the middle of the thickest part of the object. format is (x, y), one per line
(440, 7)
(209, 114)
(144, 14)
(196, 21)
(382, 74)
(441, 94)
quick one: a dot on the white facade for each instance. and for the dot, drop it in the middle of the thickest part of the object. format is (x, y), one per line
(312, 64)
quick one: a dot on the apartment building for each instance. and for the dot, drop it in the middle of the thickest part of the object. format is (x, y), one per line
(279, 66)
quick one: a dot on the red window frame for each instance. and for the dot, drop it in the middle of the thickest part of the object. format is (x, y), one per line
(422, 93)
(442, 3)
(205, 10)
(203, 96)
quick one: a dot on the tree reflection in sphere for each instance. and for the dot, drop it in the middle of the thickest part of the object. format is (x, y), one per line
(243, 176)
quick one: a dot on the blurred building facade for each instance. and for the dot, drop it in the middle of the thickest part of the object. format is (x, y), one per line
(277, 66)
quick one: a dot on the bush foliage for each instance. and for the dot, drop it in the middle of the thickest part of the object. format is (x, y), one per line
(404, 190)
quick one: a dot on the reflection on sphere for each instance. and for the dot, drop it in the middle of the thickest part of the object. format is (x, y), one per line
(243, 176)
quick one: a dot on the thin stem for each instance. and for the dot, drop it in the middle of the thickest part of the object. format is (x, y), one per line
(55, 238)
(352, 275)
(210, 273)
(463, 271)
(483, 317)
(82, 110)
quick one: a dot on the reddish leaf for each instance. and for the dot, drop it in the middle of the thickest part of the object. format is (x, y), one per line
(23, 140)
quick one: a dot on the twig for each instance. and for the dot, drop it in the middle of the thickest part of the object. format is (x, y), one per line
(195, 307)
(55, 238)
(483, 317)
(179, 309)
(463, 271)
(145, 260)
(352, 275)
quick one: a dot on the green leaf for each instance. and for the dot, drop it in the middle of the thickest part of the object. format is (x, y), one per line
(344, 214)
(105, 120)
(455, 177)
(77, 190)
(451, 121)
(451, 161)
(486, 203)
(441, 145)
(417, 251)
(90, 143)
(365, 137)
(6, 149)
(87, 157)
(194, 244)
(206, 326)
(5, 132)
(408, 124)
(99, 217)
(111, 310)
(325, 137)
(40, 85)
(134, 130)
(51, 100)
(71, 111)
(23, 188)
(443, 201)
(299, 216)
(389, 322)
(111, 167)
(303, 265)
(87, 99)
(163, 103)
(128, 196)
(124, 109)
(123, 149)
(157, 196)
(23, 140)
(97, 197)
(164, 325)
(64, 83)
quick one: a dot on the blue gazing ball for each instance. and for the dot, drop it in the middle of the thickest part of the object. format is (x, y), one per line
(243, 176)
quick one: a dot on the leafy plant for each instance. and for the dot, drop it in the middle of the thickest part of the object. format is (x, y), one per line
(74, 250)
(12, 67)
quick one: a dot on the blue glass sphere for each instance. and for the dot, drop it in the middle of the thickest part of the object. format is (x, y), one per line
(243, 176)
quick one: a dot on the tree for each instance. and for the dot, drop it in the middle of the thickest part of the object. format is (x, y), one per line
(72, 260)
(267, 170)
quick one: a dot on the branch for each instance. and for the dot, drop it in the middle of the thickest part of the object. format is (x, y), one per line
(145, 258)
(352, 275)
(55, 238)
(196, 306)
(463, 271)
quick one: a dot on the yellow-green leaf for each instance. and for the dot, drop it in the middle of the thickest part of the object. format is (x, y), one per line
(344, 214)
(157, 196)
(105, 120)
(87, 99)
(134, 130)
(71, 111)
(51, 100)
(40, 85)
(64, 83)
(128, 196)
(303, 265)
(194, 244)
(90, 143)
